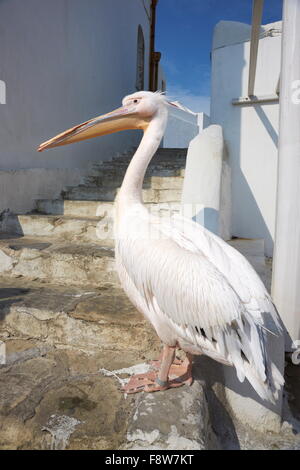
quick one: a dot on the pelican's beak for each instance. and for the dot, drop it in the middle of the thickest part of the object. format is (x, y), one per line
(120, 119)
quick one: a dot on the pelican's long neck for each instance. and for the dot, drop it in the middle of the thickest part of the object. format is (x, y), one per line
(131, 189)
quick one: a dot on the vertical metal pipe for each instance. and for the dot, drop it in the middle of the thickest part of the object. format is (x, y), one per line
(257, 12)
(152, 64)
(286, 273)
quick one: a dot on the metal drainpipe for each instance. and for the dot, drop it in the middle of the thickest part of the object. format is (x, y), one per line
(152, 62)
(157, 56)
(286, 271)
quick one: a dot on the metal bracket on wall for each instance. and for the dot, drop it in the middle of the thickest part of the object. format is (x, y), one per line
(255, 99)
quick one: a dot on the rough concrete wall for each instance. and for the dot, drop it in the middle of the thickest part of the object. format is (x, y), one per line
(20, 188)
(63, 62)
(250, 132)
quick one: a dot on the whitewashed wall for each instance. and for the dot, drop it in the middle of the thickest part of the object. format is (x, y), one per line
(63, 62)
(182, 127)
(201, 192)
(250, 132)
(20, 188)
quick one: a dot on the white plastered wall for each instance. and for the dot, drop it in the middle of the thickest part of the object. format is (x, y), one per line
(63, 62)
(250, 132)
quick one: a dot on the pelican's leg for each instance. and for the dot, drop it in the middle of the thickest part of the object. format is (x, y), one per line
(172, 374)
(178, 367)
(156, 363)
(168, 356)
(152, 381)
(185, 370)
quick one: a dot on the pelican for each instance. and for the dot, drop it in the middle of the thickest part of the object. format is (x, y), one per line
(200, 294)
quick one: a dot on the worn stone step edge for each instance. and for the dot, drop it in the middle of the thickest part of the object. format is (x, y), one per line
(121, 167)
(107, 194)
(84, 229)
(151, 182)
(64, 263)
(151, 171)
(94, 208)
(87, 320)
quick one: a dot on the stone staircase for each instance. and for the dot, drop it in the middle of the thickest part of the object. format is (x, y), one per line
(70, 240)
(69, 335)
(75, 216)
(63, 315)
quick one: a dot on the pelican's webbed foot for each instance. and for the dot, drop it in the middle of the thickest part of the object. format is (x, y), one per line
(149, 382)
(172, 373)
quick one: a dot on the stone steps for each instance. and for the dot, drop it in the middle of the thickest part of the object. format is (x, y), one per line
(118, 171)
(161, 155)
(78, 264)
(57, 341)
(59, 263)
(79, 229)
(83, 208)
(85, 212)
(94, 193)
(86, 318)
(64, 315)
(153, 182)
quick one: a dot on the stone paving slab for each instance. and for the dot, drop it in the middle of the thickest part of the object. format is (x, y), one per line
(56, 398)
(184, 421)
(61, 401)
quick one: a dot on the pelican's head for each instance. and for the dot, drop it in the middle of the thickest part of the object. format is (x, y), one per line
(145, 103)
(136, 112)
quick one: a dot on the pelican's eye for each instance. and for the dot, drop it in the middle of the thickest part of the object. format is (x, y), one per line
(135, 101)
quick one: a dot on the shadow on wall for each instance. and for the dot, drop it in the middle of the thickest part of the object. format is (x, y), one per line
(225, 418)
(241, 134)
(251, 138)
(209, 218)
(246, 207)
(267, 124)
(252, 208)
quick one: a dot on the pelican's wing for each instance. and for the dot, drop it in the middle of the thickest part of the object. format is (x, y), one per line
(232, 264)
(189, 297)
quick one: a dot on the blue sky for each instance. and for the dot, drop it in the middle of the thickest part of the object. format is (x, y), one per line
(184, 35)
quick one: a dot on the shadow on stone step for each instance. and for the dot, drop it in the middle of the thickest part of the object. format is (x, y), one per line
(53, 207)
(292, 385)
(10, 236)
(10, 296)
(9, 224)
(209, 372)
(231, 426)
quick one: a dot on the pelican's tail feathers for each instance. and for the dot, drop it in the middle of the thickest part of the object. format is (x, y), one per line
(255, 361)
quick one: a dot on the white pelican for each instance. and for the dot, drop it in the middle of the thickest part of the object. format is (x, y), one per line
(200, 294)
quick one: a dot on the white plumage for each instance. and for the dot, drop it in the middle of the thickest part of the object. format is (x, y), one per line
(199, 293)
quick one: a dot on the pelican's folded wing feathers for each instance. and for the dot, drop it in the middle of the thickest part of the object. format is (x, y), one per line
(210, 297)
